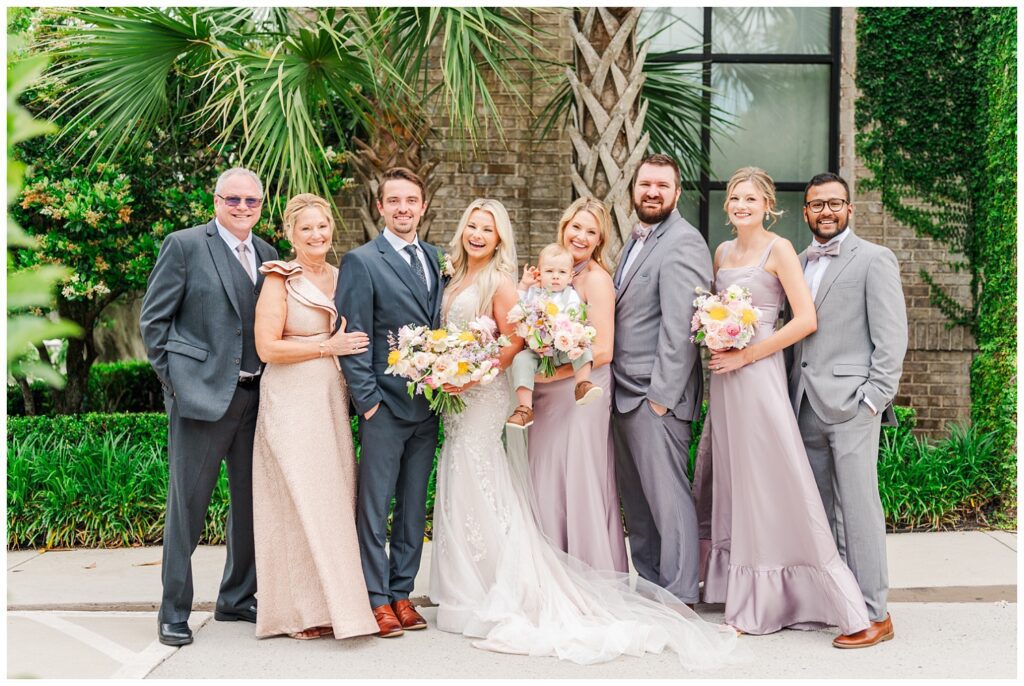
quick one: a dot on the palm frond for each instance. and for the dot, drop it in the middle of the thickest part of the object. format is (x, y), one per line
(116, 64)
(475, 46)
(280, 103)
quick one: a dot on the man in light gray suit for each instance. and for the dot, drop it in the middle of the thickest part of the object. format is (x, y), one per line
(658, 379)
(842, 382)
(383, 285)
(197, 325)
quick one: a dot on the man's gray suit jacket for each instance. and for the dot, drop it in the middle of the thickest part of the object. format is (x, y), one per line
(654, 358)
(190, 320)
(857, 351)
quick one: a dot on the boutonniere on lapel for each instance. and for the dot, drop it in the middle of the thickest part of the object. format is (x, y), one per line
(444, 265)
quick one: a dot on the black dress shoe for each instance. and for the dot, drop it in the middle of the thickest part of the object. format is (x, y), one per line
(245, 614)
(175, 634)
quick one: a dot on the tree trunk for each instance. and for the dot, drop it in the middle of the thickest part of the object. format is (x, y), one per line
(26, 395)
(607, 121)
(392, 145)
(81, 352)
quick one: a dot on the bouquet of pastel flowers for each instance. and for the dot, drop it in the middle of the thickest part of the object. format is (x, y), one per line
(724, 320)
(546, 327)
(431, 358)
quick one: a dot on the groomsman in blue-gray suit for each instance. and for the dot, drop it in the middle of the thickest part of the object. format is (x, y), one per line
(658, 379)
(383, 285)
(842, 382)
(197, 325)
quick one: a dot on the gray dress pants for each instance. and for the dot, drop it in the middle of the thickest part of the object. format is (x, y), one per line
(194, 452)
(651, 454)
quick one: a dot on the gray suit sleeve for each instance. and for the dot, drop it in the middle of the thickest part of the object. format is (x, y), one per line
(887, 327)
(164, 294)
(355, 303)
(687, 266)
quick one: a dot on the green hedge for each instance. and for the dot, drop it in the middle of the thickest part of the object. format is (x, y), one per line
(130, 386)
(101, 480)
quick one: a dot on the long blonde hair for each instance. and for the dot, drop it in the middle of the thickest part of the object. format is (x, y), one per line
(759, 177)
(503, 263)
(604, 223)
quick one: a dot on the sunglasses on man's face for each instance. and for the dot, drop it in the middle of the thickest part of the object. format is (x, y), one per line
(235, 201)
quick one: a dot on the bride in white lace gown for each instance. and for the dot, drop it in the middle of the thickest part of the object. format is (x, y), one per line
(494, 576)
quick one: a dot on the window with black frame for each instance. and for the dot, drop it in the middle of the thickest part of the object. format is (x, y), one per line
(775, 72)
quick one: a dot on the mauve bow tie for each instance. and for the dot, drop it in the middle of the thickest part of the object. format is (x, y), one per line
(640, 233)
(816, 250)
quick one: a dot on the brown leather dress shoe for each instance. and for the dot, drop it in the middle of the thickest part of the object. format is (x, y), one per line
(873, 635)
(387, 622)
(408, 616)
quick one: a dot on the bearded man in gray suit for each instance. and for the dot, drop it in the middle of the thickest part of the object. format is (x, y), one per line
(842, 382)
(197, 325)
(658, 379)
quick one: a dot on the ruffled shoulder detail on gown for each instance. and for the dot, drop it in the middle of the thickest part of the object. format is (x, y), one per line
(302, 288)
(281, 267)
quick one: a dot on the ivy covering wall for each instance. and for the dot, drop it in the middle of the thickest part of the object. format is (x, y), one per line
(937, 121)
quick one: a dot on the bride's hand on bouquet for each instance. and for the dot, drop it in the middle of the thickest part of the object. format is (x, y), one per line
(455, 390)
(729, 360)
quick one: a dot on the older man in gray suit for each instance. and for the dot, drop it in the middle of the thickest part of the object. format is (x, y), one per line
(842, 381)
(658, 379)
(197, 325)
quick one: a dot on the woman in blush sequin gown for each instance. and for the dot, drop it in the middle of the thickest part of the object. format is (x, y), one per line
(310, 581)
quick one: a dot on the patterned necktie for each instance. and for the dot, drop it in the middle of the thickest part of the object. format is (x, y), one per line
(816, 251)
(243, 257)
(640, 232)
(417, 266)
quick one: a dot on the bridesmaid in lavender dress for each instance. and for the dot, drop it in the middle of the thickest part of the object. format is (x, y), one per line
(773, 561)
(572, 466)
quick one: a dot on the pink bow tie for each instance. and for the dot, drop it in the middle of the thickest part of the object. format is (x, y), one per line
(640, 232)
(815, 251)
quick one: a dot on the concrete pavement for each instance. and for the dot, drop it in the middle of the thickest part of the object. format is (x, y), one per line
(91, 613)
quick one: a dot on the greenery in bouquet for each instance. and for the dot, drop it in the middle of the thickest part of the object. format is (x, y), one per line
(548, 328)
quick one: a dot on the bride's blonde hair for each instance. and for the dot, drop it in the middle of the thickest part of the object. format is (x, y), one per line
(503, 263)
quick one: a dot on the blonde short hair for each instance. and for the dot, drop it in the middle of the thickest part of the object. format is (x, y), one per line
(600, 212)
(762, 182)
(299, 203)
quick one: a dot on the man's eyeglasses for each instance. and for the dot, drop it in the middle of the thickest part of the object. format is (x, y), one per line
(235, 201)
(834, 204)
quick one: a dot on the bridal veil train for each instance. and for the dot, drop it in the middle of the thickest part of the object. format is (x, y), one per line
(495, 577)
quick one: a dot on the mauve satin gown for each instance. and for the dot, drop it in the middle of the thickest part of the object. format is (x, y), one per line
(773, 561)
(572, 472)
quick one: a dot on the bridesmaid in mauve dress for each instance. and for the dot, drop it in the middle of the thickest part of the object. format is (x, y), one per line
(310, 580)
(773, 560)
(572, 468)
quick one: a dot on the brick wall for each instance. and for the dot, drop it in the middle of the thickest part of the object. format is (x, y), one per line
(936, 372)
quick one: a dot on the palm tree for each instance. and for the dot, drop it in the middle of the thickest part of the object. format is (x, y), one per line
(619, 101)
(281, 87)
(278, 88)
(607, 127)
(472, 47)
